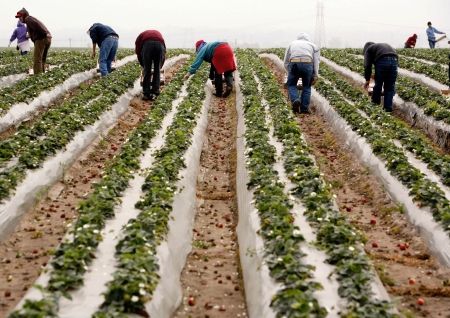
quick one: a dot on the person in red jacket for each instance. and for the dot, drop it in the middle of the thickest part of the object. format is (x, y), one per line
(151, 51)
(41, 37)
(411, 42)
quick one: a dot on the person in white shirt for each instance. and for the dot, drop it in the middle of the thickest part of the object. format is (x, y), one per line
(301, 60)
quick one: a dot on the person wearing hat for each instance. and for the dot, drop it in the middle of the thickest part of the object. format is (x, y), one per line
(221, 57)
(430, 34)
(108, 41)
(150, 49)
(20, 33)
(385, 59)
(41, 38)
(411, 42)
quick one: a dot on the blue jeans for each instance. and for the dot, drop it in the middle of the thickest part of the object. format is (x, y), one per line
(431, 43)
(305, 72)
(385, 75)
(107, 54)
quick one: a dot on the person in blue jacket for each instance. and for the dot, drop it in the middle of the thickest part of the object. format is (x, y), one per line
(108, 41)
(221, 57)
(430, 34)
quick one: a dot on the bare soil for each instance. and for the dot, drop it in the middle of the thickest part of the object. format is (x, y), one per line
(211, 279)
(25, 253)
(408, 271)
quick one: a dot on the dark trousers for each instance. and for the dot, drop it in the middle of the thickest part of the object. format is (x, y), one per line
(385, 76)
(40, 54)
(153, 55)
(218, 81)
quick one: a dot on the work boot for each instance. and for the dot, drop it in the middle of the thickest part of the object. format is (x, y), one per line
(296, 106)
(228, 91)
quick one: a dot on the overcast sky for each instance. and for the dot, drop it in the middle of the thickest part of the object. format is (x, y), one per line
(256, 23)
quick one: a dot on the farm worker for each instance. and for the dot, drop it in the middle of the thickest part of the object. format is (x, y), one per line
(301, 60)
(41, 38)
(20, 33)
(411, 42)
(107, 40)
(385, 59)
(221, 57)
(150, 49)
(430, 34)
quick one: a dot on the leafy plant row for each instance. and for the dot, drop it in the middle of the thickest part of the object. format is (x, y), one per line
(411, 139)
(30, 87)
(31, 145)
(71, 258)
(77, 106)
(433, 55)
(33, 152)
(136, 276)
(437, 72)
(281, 237)
(432, 103)
(335, 235)
(20, 64)
(422, 190)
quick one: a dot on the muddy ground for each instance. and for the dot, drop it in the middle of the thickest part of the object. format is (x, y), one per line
(211, 279)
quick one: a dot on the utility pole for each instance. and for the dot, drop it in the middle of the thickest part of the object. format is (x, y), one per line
(320, 25)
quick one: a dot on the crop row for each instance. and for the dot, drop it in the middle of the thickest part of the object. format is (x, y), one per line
(34, 144)
(436, 71)
(68, 265)
(422, 190)
(136, 276)
(30, 87)
(282, 238)
(432, 103)
(395, 128)
(335, 235)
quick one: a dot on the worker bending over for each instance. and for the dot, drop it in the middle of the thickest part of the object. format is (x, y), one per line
(385, 59)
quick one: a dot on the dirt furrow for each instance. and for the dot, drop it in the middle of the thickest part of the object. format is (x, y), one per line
(211, 279)
(400, 255)
(29, 247)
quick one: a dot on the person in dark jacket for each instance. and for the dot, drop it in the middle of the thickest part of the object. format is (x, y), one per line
(108, 41)
(150, 49)
(20, 33)
(41, 38)
(385, 59)
(221, 57)
(411, 42)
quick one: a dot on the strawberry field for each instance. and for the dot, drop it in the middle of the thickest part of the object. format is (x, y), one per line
(193, 205)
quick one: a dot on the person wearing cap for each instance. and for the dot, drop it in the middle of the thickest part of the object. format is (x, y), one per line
(221, 57)
(20, 33)
(411, 42)
(108, 41)
(430, 35)
(301, 60)
(41, 38)
(385, 59)
(150, 49)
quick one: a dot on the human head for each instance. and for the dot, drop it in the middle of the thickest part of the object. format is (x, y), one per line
(415, 36)
(366, 46)
(22, 14)
(199, 44)
(429, 23)
(303, 36)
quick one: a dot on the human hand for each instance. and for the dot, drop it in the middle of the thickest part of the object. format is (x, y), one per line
(314, 80)
(366, 85)
(187, 76)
